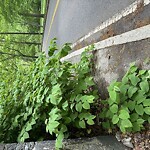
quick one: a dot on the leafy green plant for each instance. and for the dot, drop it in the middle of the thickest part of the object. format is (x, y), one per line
(128, 106)
(50, 95)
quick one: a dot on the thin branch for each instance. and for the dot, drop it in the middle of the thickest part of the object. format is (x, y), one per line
(5, 33)
(22, 55)
(7, 59)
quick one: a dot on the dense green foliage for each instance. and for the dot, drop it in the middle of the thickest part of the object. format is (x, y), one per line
(15, 12)
(48, 96)
(128, 107)
(18, 17)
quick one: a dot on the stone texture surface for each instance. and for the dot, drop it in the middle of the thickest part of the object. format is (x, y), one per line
(46, 145)
(95, 143)
(113, 62)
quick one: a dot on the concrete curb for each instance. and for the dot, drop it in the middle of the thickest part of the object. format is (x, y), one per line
(95, 143)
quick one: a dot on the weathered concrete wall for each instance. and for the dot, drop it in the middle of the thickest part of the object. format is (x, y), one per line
(96, 143)
(113, 62)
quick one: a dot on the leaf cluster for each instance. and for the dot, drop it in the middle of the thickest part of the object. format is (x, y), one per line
(49, 96)
(128, 106)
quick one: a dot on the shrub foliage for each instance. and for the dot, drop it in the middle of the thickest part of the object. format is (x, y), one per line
(48, 96)
(128, 106)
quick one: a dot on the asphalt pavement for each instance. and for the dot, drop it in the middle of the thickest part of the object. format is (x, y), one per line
(69, 20)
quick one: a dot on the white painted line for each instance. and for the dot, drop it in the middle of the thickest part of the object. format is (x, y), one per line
(130, 9)
(130, 36)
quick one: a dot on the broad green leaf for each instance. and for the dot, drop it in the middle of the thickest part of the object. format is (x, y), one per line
(140, 121)
(86, 105)
(81, 86)
(132, 64)
(139, 109)
(144, 86)
(109, 114)
(146, 102)
(67, 120)
(133, 69)
(25, 135)
(111, 86)
(125, 80)
(81, 116)
(124, 114)
(136, 127)
(102, 114)
(89, 116)
(131, 91)
(139, 101)
(53, 99)
(116, 88)
(82, 124)
(141, 72)
(59, 140)
(131, 105)
(110, 101)
(114, 108)
(64, 51)
(124, 88)
(33, 121)
(73, 116)
(25, 116)
(63, 128)
(56, 89)
(122, 128)
(89, 81)
(46, 90)
(52, 125)
(126, 123)
(54, 111)
(78, 98)
(139, 97)
(21, 139)
(48, 99)
(115, 119)
(113, 95)
(88, 98)
(134, 117)
(106, 125)
(72, 105)
(78, 107)
(65, 105)
(134, 79)
(90, 122)
(147, 110)
(28, 128)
